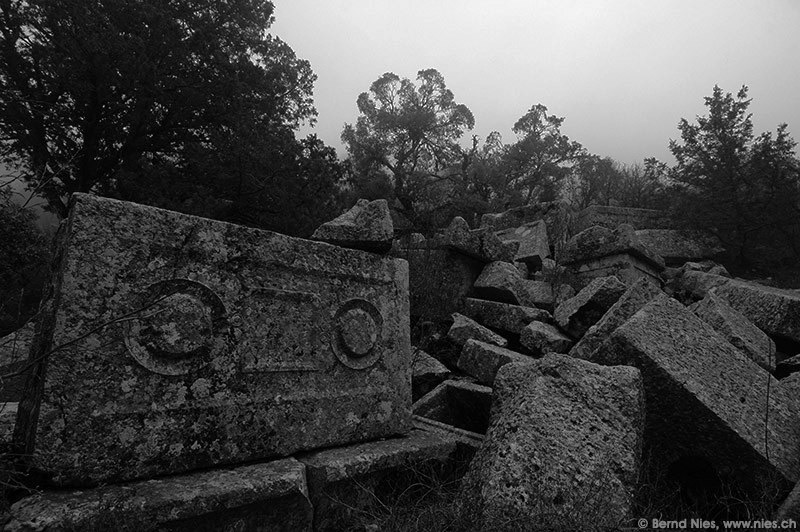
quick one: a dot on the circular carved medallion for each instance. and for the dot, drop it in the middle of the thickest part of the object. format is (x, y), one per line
(358, 326)
(179, 327)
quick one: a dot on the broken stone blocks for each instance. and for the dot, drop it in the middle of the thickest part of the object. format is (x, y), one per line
(460, 404)
(499, 281)
(677, 246)
(635, 297)
(774, 311)
(426, 373)
(534, 246)
(480, 244)
(577, 314)
(464, 329)
(173, 343)
(542, 338)
(705, 398)
(737, 329)
(599, 252)
(439, 280)
(368, 226)
(482, 360)
(504, 316)
(270, 496)
(562, 450)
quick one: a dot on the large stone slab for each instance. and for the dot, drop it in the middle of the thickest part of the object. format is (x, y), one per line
(503, 316)
(563, 448)
(347, 482)
(482, 360)
(533, 293)
(542, 338)
(597, 242)
(270, 496)
(611, 217)
(737, 329)
(678, 246)
(705, 398)
(578, 313)
(499, 281)
(534, 245)
(635, 297)
(368, 226)
(464, 329)
(170, 343)
(773, 310)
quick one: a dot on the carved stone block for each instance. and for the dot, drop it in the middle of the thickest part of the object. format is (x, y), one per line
(170, 343)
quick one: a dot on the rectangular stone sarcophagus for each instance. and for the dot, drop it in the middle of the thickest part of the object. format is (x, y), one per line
(170, 343)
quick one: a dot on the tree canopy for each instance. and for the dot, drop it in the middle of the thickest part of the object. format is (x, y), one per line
(97, 94)
(744, 188)
(407, 134)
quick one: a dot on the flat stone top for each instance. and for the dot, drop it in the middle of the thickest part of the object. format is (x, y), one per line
(597, 241)
(140, 504)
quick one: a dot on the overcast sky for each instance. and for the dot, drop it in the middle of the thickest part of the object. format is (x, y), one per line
(622, 72)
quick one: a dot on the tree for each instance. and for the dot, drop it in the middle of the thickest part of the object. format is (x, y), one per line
(745, 189)
(596, 181)
(23, 263)
(407, 134)
(541, 158)
(98, 93)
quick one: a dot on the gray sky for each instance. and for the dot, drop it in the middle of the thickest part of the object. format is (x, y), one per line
(622, 72)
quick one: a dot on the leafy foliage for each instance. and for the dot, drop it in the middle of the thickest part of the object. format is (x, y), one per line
(542, 157)
(102, 93)
(23, 260)
(407, 134)
(744, 188)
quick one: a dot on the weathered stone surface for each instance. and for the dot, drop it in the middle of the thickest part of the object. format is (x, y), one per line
(480, 244)
(426, 373)
(368, 226)
(577, 314)
(678, 246)
(270, 496)
(705, 398)
(625, 267)
(693, 285)
(562, 293)
(499, 281)
(534, 246)
(464, 329)
(8, 416)
(439, 280)
(345, 482)
(784, 368)
(482, 360)
(635, 297)
(532, 293)
(597, 242)
(542, 338)
(737, 329)
(563, 447)
(611, 217)
(171, 342)
(457, 403)
(774, 311)
(503, 316)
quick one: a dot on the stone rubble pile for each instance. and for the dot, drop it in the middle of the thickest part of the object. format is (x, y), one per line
(187, 372)
(698, 345)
